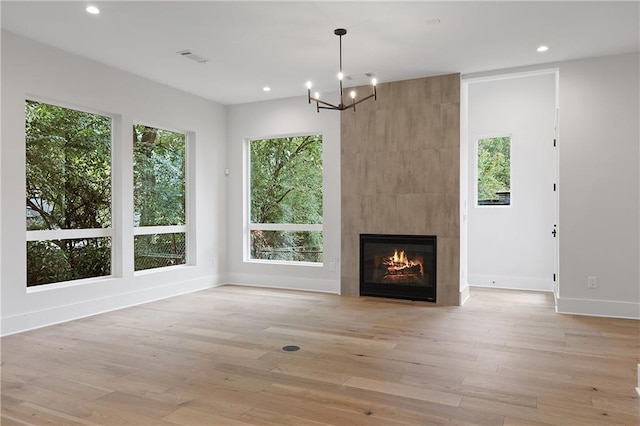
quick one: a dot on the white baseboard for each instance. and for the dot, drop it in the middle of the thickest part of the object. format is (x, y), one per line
(285, 282)
(63, 313)
(598, 308)
(464, 295)
(511, 283)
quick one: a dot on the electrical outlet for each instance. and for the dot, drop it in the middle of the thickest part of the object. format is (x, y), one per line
(332, 266)
(592, 282)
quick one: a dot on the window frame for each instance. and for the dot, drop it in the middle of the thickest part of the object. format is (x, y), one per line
(292, 227)
(167, 229)
(476, 172)
(78, 233)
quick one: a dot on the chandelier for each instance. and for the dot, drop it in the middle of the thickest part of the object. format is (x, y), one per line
(320, 104)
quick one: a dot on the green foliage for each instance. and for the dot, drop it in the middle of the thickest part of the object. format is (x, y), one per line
(158, 176)
(68, 186)
(300, 246)
(65, 260)
(159, 188)
(68, 168)
(494, 167)
(286, 180)
(68, 180)
(286, 187)
(159, 250)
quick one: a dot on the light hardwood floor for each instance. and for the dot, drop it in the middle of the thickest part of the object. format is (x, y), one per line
(214, 358)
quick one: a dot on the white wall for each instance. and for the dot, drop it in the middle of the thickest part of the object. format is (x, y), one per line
(599, 175)
(512, 246)
(32, 70)
(277, 118)
(600, 185)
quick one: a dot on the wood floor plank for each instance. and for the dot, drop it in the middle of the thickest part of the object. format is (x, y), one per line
(510, 421)
(187, 416)
(405, 391)
(355, 341)
(549, 416)
(215, 357)
(73, 406)
(119, 408)
(8, 420)
(258, 416)
(359, 403)
(502, 395)
(311, 373)
(33, 414)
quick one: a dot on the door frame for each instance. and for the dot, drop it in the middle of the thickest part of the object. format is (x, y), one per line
(465, 152)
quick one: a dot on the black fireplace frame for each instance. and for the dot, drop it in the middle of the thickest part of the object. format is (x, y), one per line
(399, 291)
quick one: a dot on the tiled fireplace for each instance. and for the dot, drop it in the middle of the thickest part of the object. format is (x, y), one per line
(400, 175)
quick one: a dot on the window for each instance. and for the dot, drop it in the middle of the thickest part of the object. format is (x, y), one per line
(494, 171)
(285, 199)
(68, 194)
(159, 194)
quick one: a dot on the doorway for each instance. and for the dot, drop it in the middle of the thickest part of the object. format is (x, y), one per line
(509, 176)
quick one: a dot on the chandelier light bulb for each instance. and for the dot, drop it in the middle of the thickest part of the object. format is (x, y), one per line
(316, 95)
(353, 94)
(309, 85)
(374, 81)
(340, 75)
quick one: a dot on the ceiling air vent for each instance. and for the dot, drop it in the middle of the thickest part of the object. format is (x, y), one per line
(360, 76)
(194, 57)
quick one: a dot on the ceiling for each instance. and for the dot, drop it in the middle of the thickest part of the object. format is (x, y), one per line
(285, 44)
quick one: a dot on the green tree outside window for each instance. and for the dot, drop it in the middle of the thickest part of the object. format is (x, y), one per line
(494, 171)
(159, 196)
(68, 187)
(286, 189)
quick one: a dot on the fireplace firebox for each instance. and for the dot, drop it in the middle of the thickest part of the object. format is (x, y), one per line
(398, 266)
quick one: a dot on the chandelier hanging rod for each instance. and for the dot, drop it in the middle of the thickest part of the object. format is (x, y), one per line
(320, 104)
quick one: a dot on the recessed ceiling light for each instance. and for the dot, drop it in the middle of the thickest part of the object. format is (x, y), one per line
(92, 10)
(542, 48)
(266, 88)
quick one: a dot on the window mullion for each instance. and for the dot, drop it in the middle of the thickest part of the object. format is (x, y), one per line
(285, 227)
(66, 234)
(148, 230)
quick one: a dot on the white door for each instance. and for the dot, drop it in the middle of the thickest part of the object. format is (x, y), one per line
(511, 243)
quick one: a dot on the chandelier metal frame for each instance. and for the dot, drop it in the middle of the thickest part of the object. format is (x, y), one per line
(320, 104)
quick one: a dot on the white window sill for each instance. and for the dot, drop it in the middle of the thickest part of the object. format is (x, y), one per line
(66, 284)
(162, 269)
(285, 263)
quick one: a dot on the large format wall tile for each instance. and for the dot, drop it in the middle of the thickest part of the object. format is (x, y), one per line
(400, 171)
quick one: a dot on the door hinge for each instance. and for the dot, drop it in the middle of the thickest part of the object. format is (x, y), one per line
(554, 186)
(554, 142)
(554, 278)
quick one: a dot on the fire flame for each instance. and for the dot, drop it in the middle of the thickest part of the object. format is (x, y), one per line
(399, 268)
(400, 260)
